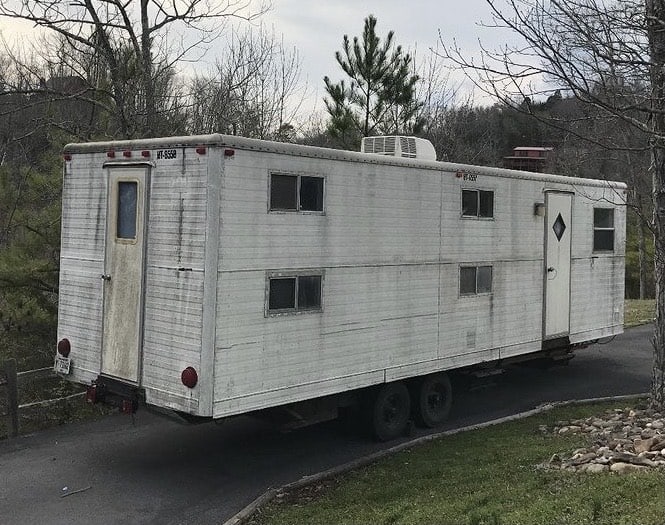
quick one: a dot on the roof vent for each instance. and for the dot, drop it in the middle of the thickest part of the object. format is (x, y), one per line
(397, 146)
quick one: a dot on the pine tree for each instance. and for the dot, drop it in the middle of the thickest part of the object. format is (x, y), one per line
(380, 97)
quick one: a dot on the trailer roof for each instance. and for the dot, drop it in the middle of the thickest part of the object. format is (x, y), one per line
(243, 143)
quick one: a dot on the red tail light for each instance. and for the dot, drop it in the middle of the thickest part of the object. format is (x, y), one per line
(64, 347)
(189, 377)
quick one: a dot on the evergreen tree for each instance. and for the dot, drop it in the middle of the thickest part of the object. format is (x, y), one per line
(380, 97)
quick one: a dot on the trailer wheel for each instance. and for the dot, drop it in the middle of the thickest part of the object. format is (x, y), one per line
(434, 397)
(390, 411)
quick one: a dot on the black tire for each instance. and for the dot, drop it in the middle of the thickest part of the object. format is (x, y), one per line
(390, 411)
(432, 400)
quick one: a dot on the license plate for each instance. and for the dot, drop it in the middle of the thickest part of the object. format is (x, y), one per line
(62, 364)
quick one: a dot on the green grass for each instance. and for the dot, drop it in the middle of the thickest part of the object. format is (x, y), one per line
(638, 312)
(486, 476)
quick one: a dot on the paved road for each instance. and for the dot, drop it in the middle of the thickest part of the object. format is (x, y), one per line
(153, 470)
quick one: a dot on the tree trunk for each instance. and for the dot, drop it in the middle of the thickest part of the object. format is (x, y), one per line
(655, 13)
(150, 123)
(642, 254)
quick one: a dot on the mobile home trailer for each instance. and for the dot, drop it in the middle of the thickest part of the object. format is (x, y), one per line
(218, 275)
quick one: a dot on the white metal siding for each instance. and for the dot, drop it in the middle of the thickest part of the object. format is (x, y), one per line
(174, 280)
(82, 264)
(391, 243)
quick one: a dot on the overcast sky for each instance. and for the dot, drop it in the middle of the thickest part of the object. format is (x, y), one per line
(316, 28)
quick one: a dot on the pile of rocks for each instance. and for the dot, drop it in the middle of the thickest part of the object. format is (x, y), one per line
(622, 440)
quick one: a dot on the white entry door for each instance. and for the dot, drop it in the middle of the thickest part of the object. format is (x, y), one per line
(123, 275)
(558, 222)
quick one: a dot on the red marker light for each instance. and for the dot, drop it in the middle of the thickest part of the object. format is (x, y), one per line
(145, 153)
(110, 154)
(189, 377)
(229, 152)
(126, 153)
(67, 156)
(64, 347)
(201, 150)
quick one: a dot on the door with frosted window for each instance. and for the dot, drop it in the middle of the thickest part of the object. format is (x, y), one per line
(123, 275)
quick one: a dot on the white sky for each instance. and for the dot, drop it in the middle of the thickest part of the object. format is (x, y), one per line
(316, 29)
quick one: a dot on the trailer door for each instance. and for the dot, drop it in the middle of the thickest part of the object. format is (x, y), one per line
(123, 275)
(558, 219)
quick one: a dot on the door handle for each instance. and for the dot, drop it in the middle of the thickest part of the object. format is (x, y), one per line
(105, 277)
(549, 270)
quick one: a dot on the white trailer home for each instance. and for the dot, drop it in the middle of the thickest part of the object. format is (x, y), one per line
(218, 275)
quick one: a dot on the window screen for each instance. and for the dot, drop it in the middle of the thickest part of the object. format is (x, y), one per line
(126, 213)
(603, 229)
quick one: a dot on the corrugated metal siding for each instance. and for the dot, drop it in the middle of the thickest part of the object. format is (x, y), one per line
(597, 278)
(81, 265)
(390, 243)
(80, 314)
(174, 281)
(358, 207)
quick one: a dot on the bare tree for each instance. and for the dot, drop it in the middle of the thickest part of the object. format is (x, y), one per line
(253, 92)
(602, 52)
(131, 44)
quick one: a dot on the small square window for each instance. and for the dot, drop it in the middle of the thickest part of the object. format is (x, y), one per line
(294, 293)
(603, 229)
(475, 280)
(296, 193)
(478, 203)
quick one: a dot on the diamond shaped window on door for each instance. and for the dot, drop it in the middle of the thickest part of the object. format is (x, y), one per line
(559, 227)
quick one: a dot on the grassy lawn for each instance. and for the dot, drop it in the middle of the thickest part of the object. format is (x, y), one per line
(487, 476)
(639, 312)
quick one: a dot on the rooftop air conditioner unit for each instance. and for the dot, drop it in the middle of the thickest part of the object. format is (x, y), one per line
(398, 146)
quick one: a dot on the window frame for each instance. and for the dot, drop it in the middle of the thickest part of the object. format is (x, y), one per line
(116, 215)
(475, 267)
(298, 207)
(296, 275)
(478, 192)
(604, 229)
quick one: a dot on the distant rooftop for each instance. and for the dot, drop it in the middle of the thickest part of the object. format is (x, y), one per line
(528, 158)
